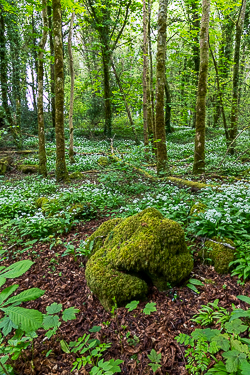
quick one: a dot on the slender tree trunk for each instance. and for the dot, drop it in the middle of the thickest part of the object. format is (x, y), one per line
(236, 77)
(52, 66)
(152, 96)
(61, 169)
(107, 92)
(72, 81)
(168, 109)
(41, 134)
(162, 166)
(145, 69)
(199, 153)
(126, 103)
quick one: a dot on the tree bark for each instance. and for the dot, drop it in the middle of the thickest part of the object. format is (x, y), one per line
(145, 70)
(236, 77)
(152, 96)
(162, 166)
(72, 81)
(61, 169)
(52, 67)
(42, 170)
(199, 153)
(168, 109)
(107, 92)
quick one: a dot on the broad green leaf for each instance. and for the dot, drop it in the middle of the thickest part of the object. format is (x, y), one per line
(28, 319)
(2, 281)
(207, 334)
(193, 288)
(154, 366)
(149, 308)
(195, 282)
(237, 345)
(64, 347)
(26, 295)
(16, 269)
(69, 314)
(54, 308)
(50, 321)
(132, 305)
(222, 342)
(239, 313)
(233, 360)
(7, 325)
(245, 367)
(7, 292)
(235, 326)
(95, 329)
(244, 299)
(218, 369)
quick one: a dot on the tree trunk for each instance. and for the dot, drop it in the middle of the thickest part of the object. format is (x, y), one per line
(42, 170)
(199, 153)
(162, 166)
(107, 92)
(145, 69)
(236, 78)
(72, 81)
(61, 169)
(52, 67)
(126, 103)
(152, 96)
(168, 109)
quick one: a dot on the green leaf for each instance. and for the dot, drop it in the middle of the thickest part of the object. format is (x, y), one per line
(132, 305)
(245, 367)
(26, 295)
(235, 326)
(2, 281)
(7, 292)
(154, 366)
(149, 308)
(244, 299)
(54, 308)
(95, 329)
(207, 334)
(16, 269)
(237, 345)
(218, 369)
(195, 282)
(64, 347)
(222, 342)
(50, 321)
(233, 360)
(7, 325)
(28, 319)
(154, 356)
(69, 314)
(193, 288)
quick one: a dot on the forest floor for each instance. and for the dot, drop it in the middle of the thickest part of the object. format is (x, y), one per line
(43, 234)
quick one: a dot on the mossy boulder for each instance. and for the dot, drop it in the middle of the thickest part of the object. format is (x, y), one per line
(75, 175)
(5, 164)
(103, 161)
(198, 208)
(126, 254)
(26, 168)
(219, 254)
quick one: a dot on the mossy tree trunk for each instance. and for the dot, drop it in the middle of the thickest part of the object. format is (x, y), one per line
(72, 82)
(199, 152)
(52, 67)
(236, 77)
(144, 74)
(160, 132)
(41, 133)
(152, 96)
(61, 169)
(168, 109)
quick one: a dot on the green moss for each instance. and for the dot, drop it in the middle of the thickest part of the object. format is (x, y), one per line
(26, 168)
(83, 210)
(41, 201)
(4, 164)
(103, 161)
(96, 240)
(75, 175)
(145, 246)
(219, 254)
(197, 208)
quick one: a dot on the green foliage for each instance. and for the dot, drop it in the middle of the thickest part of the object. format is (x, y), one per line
(241, 266)
(192, 285)
(132, 305)
(203, 344)
(149, 308)
(155, 359)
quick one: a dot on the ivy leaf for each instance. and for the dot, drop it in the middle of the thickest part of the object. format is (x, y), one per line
(70, 314)
(132, 305)
(54, 308)
(234, 359)
(235, 326)
(149, 308)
